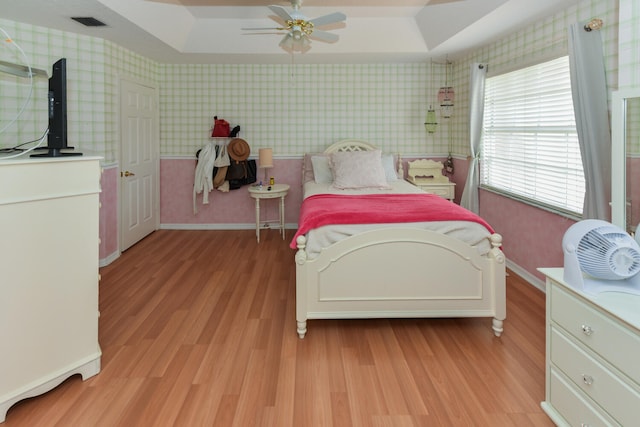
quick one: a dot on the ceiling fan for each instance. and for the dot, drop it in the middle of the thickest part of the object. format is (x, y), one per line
(300, 30)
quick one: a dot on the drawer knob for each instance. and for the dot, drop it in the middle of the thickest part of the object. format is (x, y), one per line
(587, 330)
(587, 379)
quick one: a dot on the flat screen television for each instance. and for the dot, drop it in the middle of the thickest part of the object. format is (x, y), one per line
(57, 106)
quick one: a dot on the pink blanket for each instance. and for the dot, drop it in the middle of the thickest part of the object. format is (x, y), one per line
(331, 209)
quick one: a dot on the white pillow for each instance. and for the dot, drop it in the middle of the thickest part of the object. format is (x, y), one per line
(389, 166)
(358, 169)
(321, 169)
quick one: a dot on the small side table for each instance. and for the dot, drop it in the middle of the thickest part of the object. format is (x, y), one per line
(427, 175)
(277, 191)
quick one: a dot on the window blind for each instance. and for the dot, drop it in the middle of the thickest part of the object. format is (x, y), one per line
(530, 144)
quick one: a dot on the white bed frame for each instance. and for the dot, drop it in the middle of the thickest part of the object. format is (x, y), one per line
(399, 273)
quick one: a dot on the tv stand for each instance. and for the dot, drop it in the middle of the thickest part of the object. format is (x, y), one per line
(56, 152)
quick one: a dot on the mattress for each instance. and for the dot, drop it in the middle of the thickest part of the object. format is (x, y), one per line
(471, 233)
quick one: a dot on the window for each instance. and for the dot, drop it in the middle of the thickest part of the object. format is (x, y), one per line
(530, 145)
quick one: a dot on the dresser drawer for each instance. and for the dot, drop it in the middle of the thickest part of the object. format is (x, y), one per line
(575, 409)
(619, 399)
(593, 328)
(444, 192)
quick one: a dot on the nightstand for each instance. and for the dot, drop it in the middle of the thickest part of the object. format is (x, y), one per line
(427, 175)
(444, 190)
(269, 192)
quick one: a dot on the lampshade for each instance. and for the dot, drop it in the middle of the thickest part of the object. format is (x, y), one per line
(445, 97)
(446, 94)
(430, 123)
(265, 158)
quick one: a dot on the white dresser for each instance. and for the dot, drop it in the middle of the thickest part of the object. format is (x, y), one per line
(593, 356)
(48, 274)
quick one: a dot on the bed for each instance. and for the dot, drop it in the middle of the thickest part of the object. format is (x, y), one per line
(416, 269)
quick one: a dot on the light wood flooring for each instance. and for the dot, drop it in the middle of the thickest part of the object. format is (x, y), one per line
(198, 328)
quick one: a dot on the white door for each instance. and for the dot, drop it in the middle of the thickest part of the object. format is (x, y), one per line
(139, 163)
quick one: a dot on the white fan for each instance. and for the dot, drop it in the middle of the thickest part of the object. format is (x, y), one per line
(300, 29)
(601, 257)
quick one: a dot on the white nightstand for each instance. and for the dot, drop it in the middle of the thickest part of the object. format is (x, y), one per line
(445, 190)
(427, 175)
(269, 192)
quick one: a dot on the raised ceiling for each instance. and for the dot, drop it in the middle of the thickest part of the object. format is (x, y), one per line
(210, 31)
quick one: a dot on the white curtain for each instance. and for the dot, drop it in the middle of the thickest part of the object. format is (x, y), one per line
(589, 89)
(469, 197)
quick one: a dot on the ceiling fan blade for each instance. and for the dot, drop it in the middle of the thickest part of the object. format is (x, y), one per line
(331, 18)
(263, 28)
(281, 12)
(324, 36)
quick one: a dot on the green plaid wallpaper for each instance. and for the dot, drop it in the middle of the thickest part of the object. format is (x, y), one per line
(93, 70)
(301, 108)
(85, 92)
(629, 44)
(532, 44)
(292, 108)
(629, 68)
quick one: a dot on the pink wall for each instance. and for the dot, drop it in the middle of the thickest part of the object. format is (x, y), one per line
(109, 212)
(234, 207)
(532, 237)
(633, 192)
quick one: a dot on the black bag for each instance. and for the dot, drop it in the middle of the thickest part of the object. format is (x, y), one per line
(241, 173)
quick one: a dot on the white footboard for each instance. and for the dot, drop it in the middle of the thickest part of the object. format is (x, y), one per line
(400, 273)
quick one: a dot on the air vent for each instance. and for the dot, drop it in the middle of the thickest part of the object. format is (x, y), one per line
(89, 21)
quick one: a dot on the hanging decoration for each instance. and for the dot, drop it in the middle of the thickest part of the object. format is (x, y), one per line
(448, 164)
(430, 122)
(446, 94)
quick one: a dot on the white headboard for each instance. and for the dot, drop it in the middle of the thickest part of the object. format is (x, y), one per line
(350, 145)
(347, 145)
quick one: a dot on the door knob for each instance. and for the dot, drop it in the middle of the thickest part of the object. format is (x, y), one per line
(127, 173)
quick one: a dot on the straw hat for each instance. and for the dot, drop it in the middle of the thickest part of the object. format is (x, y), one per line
(238, 149)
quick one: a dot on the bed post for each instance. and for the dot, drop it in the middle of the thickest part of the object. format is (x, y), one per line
(499, 280)
(301, 287)
(400, 167)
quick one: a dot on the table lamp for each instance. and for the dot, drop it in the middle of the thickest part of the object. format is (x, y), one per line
(265, 161)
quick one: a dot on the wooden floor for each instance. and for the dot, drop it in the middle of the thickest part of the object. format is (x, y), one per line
(198, 328)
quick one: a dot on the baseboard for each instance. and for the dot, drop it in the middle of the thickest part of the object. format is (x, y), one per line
(103, 262)
(238, 226)
(528, 277)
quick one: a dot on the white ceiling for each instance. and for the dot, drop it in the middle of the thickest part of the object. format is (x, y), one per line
(210, 31)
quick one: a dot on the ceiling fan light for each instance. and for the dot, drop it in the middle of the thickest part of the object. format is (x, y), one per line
(287, 42)
(299, 28)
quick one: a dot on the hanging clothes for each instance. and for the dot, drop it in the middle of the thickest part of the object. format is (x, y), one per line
(203, 179)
